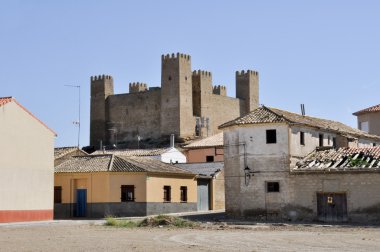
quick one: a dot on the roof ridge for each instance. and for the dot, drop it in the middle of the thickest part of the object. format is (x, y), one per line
(282, 116)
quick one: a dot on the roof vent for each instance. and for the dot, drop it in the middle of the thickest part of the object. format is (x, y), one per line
(303, 109)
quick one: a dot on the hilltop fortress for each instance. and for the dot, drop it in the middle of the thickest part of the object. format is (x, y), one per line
(187, 104)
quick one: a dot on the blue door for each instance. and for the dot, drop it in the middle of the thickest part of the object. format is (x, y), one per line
(80, 210)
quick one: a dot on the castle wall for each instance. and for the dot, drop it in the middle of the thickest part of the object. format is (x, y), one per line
(220, 109)
(134, 114)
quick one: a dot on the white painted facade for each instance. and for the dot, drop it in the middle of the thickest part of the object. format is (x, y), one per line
(246, 146)
(26, 161)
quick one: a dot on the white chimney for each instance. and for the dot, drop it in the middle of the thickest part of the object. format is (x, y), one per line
(172, 140)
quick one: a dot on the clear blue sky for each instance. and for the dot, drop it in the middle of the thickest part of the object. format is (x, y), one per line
(325, 54)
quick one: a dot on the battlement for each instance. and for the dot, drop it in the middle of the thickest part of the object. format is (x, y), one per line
(175, 56)
(246, 73)
(202, 73)
(136, 87)
(219, 90)
(101, 77)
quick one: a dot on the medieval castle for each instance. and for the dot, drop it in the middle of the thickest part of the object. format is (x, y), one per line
(187, 104)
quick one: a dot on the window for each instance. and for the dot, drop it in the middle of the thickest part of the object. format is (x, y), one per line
(273, 187)
(374, 144)
(320, 140)
(57, 194)
(127, 193)
(209, 158)
(302, 138)
(167, 193)
(271, 136)
(363, 126)
(334, 142)
(183, 193)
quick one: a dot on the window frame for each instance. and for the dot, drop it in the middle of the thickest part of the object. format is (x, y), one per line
(125, 189)
(57, 197)
(210, 157)
(167, 193)
(321, 138)
(183, 194)
(271, 139)
(302, 138)
(272, 186)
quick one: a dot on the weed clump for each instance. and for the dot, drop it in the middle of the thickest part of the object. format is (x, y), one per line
(157, 221)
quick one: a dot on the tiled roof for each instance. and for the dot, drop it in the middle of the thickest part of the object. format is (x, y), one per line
(273, 115)
(63, 151)
(343, 159)
(375, 108)
(203, 169)
(5, 100)
(134, 152)
(212, 141)
(114, 163)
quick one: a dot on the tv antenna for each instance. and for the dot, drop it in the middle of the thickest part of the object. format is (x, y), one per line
(78, 121)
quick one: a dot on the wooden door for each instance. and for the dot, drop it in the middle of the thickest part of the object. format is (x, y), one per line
(332, 207)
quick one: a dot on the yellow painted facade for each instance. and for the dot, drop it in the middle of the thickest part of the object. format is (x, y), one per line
(105, 186)
(156, 183)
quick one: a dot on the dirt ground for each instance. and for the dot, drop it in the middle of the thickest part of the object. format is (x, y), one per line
(71, 236)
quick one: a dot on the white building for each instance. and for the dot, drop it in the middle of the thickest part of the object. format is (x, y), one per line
(261, 152)
(26, 165)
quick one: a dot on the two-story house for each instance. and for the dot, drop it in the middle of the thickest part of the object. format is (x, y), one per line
(261, 152)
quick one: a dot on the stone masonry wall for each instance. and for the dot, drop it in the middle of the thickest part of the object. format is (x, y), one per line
(134, 114)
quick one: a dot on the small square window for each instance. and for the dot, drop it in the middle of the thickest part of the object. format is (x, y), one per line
(302, 138)
(127, 193)
(271, 136)
(209, 158)
(273, 187)
(167, 193)
(183, 193)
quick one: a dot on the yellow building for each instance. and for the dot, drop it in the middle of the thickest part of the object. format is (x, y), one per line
(100, 185)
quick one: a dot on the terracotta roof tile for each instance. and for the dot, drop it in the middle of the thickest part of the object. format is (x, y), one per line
(114, 163)
(343, 159)
(273, 115)
(212, 141)
(5, 100)
(62, 151)
(375, 108)
(134, 152)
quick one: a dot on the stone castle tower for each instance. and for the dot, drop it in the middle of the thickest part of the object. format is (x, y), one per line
(187, 104)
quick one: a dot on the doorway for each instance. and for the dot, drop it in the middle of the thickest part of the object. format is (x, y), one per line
(203, 194)
(81, 203)
(332, 207)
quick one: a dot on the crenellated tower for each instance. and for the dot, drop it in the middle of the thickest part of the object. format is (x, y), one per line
(101, 88)
(202, 89)
(136, 87)
(247, 89)
(220, 90)
(176, 96)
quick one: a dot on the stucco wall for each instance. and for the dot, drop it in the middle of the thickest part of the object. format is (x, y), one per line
(156, 183)
(26, 161)
(296, 199)
(199, 155)
(268, 159)
(218, 193)
(373, 120)
(101, 186)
